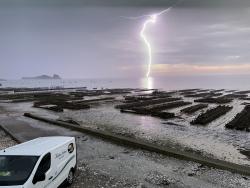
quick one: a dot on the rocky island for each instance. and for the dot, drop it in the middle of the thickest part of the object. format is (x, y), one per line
(55, 76)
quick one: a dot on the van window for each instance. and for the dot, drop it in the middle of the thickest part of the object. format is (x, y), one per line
(44, 165)
(15, 170)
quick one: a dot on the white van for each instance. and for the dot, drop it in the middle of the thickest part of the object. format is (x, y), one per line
(43, 162)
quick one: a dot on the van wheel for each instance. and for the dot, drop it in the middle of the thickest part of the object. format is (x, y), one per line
(70, 178)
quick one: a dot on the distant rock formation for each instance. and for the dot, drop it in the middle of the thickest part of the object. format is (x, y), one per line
(55, 76)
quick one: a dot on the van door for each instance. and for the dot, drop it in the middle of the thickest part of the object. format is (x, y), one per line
(43, 175)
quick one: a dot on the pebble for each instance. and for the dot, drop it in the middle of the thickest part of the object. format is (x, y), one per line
(111, 157)
(5, 140)
(141, 185)
(245, 178)
(158, 179)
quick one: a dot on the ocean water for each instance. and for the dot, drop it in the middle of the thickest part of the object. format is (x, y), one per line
(167, 83)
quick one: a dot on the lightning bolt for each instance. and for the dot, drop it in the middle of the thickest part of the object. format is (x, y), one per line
(152, 19)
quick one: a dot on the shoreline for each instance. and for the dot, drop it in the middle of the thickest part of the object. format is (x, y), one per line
(244, 170)
(88, 110)
(100, 109)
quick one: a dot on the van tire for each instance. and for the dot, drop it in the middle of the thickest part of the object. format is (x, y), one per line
(70, 178)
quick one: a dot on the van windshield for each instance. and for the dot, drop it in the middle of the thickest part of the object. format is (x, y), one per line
(15, 170)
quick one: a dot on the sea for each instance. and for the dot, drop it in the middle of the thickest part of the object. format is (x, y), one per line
(240, 82)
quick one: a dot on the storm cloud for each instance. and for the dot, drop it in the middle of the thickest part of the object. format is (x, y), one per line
(90, 38)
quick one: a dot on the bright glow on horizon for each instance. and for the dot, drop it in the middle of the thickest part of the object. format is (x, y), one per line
(152, 19)
(147, 82)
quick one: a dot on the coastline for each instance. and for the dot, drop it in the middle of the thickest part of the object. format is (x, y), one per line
(15, 111)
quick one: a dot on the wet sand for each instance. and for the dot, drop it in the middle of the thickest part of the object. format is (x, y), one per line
(105, 164)
(116, 168)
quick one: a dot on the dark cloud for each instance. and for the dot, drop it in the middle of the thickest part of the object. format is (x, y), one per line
(130, 3)
(87, 2)
(90, 38)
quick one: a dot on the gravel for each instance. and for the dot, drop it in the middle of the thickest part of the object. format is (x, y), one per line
(5, 140)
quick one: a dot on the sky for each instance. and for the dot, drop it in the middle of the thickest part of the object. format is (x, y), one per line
(92, 39)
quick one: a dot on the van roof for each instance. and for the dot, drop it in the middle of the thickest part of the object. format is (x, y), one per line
(37, 147)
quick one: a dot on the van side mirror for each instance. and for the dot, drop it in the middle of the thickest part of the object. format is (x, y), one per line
(39, 177)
